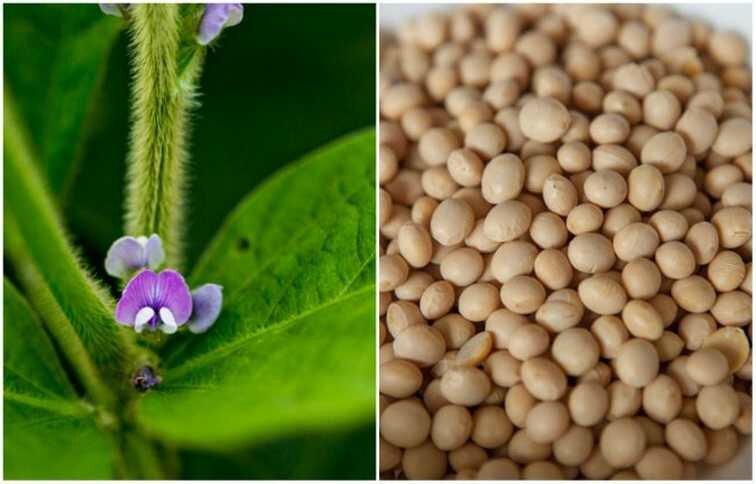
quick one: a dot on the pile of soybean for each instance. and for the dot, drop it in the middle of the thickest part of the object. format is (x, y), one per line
(565, 266)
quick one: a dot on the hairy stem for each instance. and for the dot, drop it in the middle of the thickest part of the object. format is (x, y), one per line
(77, 310)
(52, 314)
(163, 94)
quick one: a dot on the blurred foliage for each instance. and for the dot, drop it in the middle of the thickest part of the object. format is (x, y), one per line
(326, 455)
(54, 64)
(287, 80)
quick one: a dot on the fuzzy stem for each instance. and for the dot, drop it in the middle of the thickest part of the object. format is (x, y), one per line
(39, 247)
(55, 319)
(163, 94)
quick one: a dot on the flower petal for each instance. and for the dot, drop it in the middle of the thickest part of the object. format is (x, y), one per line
(143, 318)
(153, 252)
(169, 323)
(207, 300)
(173, 293)
(125, 256)
(111, 9)
(136, 295)
(216, 17)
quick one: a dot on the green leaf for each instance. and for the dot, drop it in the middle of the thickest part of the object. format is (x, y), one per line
(56, 66)
(293, 349)
(49, 433)
(327, 455)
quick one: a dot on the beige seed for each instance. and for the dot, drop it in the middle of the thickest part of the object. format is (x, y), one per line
(466, 386)
(452, 221)
(518, 403)
(694, 294)
(703, 240)
(475, 350)
(507, 221)
(634, 78)
(451, 427)
(659, 463)
(544, 119)
(686, 439)
(718, 406)
(498, 469)
(675, 260)
(528, 341)
(503, 368)
(646, 188)
(605, 188)
(455, 329)
(698, 127)
(722, 444)
(522, 294)
(437, 300)
(576, 351)
(623, 442)
(637, 362)
(491, 427)
(734, 138)
(609, 128)
(415, 244)
(733, 308)
(670, 225)
(478, 301)
(402, 314)
(733, 225)
(543, 379)
(393, 272)
(602, 294)
(559, 194)
(591, 253)
(501, 324)
(547, 421)
(400, 379)
(624, 400)
(548, 231)
(405, 423)
(462, 266)
(641, 278)
(635, 240)
(666, 151)
(420, 344)
(707, 366)
(503, 178)
(574, 157)
(424, 462)
(642, 320)
(390, 455)
(436, 144)
(553, 269)
(662, 399)
(584, 218)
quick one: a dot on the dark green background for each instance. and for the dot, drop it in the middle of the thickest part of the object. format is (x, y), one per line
(283, 82)
(287, 80)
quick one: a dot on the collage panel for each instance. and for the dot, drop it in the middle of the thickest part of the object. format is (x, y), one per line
(565, 215)
(189, 241)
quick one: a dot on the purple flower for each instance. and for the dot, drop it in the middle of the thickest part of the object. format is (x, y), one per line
(217, 16)
(156, 301)
(130, 254)
(163, 301)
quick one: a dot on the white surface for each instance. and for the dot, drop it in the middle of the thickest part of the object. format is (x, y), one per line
(722, 16)
(734, 16)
